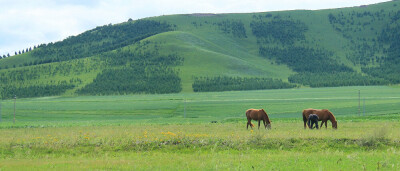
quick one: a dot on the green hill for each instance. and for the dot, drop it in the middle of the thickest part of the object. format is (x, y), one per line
(215, 52)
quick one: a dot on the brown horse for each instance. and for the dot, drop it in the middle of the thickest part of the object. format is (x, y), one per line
(258, 115)
(323, 114)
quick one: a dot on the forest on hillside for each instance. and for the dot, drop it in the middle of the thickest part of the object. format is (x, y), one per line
(99, 40)
(117, 59)
(225, 83)
(139, 70)
(316, 66)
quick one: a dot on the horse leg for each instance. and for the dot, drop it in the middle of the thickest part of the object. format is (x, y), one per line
(326, 126)
(264, 124)
(249, 123)
(259, 121)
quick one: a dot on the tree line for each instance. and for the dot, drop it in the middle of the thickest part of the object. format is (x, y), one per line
(19, 52)
(390, 67)
(276, 29)
(304, 59)
(35, 81)
(98, 40)
(335, 79)
(234, 27)
(137, 70)
(225, 83)
(134, 80)
(315, 67)
(9, 91)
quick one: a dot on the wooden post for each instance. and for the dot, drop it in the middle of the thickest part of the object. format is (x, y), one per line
(184, 109)
(15, 101)
(359, 99)
(364, 106)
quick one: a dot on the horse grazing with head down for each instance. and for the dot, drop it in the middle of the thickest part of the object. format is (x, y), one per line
(258, 115)
(323, 115)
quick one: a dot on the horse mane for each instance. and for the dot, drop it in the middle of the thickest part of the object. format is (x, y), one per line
(266, 115)
(331, 116)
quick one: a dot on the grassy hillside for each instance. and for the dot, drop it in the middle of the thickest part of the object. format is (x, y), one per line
(170, 54)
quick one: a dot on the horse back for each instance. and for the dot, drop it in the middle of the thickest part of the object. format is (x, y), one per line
(254, 114)
(323, 114)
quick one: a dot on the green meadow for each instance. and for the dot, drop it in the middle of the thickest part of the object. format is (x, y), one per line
(174, 131)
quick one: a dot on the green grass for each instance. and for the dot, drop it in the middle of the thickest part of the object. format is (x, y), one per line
(203, 107)
(202, 146)
(130, 132)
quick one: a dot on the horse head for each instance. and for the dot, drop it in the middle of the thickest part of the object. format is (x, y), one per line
(333, 119)
(268, 122)
(268, 125)
(334, 124)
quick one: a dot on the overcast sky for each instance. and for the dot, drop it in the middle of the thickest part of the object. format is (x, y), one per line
(25, 23)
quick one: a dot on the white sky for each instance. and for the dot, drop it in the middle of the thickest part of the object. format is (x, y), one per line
(25, 23)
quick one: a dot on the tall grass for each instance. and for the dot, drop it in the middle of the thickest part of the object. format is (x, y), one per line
(201, 146)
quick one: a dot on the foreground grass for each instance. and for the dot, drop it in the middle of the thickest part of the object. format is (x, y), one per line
(355, 145)
(153, 132)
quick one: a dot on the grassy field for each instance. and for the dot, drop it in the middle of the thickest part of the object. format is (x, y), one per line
(147, 132)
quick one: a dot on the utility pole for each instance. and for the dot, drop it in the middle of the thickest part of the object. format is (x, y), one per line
(0, 111)
(364, 106)
(184, 109)
(15, 101)
(359, 99)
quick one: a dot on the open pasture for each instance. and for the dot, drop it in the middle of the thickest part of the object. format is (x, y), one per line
(175, 130)
(199, 107)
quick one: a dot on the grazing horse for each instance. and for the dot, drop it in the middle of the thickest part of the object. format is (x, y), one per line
(258, 115)
(313, 118)
(323, 115)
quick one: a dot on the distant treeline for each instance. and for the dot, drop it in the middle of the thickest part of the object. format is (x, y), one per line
(315, 67)
(18, 53)
(277, 29)
(47, 79)
(149, 80)
(367, 51)
(390, 68)
(362, 29)
(8, 92)
(234, 27)
(139, 70)
(225, 83)
(302, 59)
(98, 40)
(145, 53)
(334, 79)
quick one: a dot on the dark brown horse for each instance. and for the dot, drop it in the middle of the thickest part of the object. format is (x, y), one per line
(258, 115)
(323, 114)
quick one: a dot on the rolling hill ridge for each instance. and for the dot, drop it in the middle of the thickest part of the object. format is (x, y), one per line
(215, 52)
